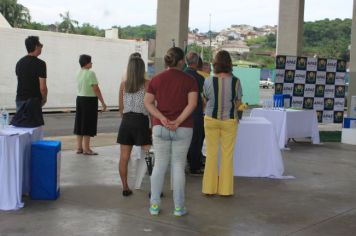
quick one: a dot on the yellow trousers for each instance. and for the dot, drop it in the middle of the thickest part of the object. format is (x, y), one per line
(219, 133)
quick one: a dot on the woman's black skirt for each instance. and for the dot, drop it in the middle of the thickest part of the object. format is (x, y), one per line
(134, 130)
(86, 116)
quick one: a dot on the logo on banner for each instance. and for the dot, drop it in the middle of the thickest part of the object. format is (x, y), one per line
(339, 104)
(339, 91)
(289, 76)
(338, 116)
(278, 88)
(297, 102)
(328, 104)
(330, 78)
(318, 103)
(308, 103)
(331, 65)
(298, 90)
(341, 66)
(311, 77)
(321, 64)
(312, 64)
(281, 62)
(288, 89)
(319, 90)
(319, 115)
(301, 63)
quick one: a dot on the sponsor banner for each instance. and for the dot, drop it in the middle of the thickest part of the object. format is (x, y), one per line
(340, 78)
(301, 63)
(328, 116)
(288, 89)
(318, 103)
(329, 91)
(308, 103)
(339, 104)
(279, 76)
(297, 102)
(291, 63)
(313, 83)
(331, 65)
(312, 64)
(338, 116)
(309, 90)
(299, 76)
(320, 77)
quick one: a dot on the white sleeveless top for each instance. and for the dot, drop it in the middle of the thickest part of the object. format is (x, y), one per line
(133, 102)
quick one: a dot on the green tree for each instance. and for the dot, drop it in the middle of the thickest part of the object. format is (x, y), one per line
(207, 53)
(68, 25)
(87, 29)
(16, 14)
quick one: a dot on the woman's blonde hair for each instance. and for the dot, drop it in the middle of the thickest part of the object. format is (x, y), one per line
(135, 77)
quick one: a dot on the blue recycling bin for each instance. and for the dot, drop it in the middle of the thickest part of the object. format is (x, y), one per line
(347, 122)
(45, 170)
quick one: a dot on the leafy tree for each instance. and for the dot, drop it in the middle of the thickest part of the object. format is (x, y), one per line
(16, 14)
(207, 53)
(87, 29)
(68, 25)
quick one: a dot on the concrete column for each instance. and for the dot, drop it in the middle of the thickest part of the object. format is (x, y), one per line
(172, 24)
(290, 27)
(352, 84)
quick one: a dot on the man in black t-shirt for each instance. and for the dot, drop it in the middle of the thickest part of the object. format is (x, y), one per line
(31, 74)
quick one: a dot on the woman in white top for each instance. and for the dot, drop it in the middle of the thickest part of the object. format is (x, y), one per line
(134, 129)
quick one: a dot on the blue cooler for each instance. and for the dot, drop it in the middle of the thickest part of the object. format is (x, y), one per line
(45, 170)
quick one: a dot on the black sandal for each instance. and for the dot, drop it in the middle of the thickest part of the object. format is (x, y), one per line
(126, 193)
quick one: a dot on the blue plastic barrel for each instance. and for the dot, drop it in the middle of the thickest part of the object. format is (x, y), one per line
(45, 170)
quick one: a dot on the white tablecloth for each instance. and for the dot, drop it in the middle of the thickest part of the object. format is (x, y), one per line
(15, 154)
(257, 153)
(291, 124)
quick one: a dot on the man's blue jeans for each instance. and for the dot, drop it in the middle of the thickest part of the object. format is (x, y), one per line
(170, 146)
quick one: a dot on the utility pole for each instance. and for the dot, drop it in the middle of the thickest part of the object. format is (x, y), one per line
(210, 54)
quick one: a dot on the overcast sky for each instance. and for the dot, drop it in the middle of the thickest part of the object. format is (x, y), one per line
(107, 13)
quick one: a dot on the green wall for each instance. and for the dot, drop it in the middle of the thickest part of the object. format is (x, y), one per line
(250, 81)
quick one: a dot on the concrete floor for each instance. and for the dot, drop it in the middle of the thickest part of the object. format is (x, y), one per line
(320, 201)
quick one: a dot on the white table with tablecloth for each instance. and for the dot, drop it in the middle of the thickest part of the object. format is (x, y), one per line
(15, 158)
(256, 152)
(291, 123)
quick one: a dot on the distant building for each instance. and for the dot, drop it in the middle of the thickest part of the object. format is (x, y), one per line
(235, 48)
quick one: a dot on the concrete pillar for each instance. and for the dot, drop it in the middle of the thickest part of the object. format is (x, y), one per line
(290, 27)
(352, 84)
(172, 24)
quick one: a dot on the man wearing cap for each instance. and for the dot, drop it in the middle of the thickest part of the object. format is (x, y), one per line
(31, 76)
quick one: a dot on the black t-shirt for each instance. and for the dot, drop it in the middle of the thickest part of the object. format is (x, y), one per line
(28, 70)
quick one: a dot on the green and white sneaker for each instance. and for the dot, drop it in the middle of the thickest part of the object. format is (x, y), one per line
(154, 210)
(180, 211)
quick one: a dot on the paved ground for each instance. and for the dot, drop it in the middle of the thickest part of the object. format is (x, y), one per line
(320, 201)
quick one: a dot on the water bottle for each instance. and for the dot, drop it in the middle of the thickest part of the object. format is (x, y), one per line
(4, 119)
